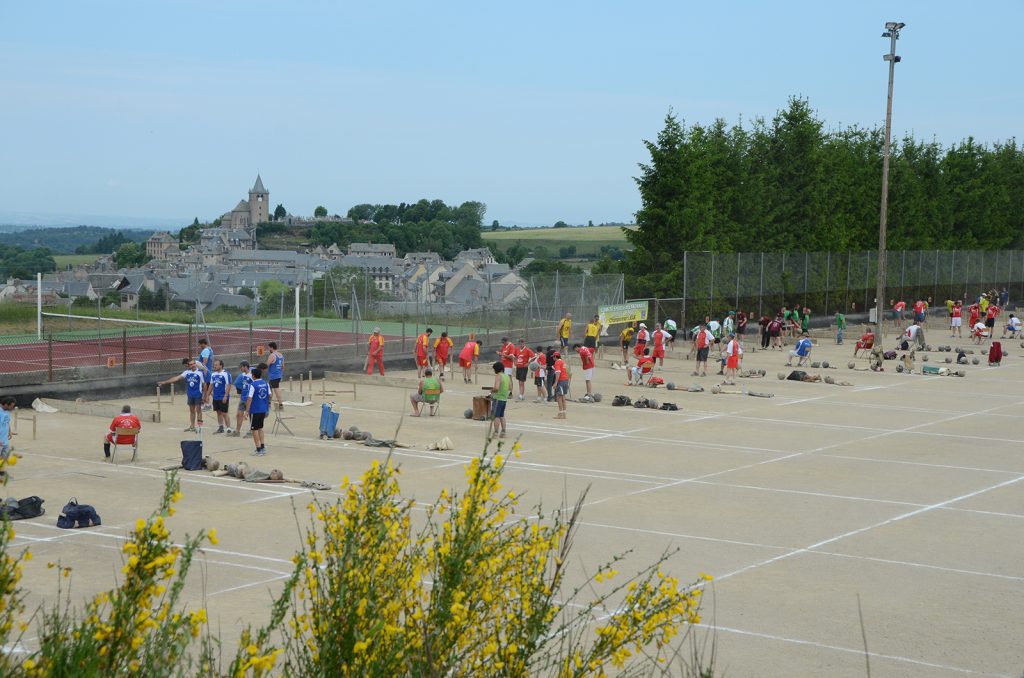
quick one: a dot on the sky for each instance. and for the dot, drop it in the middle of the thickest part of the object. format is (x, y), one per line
(161, 112)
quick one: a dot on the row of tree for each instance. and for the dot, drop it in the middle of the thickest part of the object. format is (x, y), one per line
(425, 225)
(17, 262)
(790, 184)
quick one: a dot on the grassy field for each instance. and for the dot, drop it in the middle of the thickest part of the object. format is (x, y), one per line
(588, 241)
(65, 260)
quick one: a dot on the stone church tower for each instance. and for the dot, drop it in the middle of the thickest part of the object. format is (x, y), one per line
(259, 203)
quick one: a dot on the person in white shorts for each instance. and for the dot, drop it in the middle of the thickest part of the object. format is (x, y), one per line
(587, 359)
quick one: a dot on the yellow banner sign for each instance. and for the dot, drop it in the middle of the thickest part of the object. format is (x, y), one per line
(614, 314)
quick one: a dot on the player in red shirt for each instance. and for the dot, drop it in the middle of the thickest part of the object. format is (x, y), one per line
(561, 383)
(540, 376)
(467, 357)
(124, 420)
(956, 319)
(375, 352)
(507, 354)
(587, 359)
(644, 365)
(442, 349)
(975, 313)
(524, 354)
(897, 313)
(659, 338)
(642, 337)
(991, 314)
(423, 352)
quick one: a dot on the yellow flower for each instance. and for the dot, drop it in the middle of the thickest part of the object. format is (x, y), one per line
(28, 664)
(212, 536)
(176, 497)
(12, 460)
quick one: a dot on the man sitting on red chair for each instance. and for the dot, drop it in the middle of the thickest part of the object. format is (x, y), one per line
(124, 420)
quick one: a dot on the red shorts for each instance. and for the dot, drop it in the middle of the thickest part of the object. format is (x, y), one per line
(658, 352)
(421, 360)
(638, 350)
(732, 362)
(465, 363)
(441, 359)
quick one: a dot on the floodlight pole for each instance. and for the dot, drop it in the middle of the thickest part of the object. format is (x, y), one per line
(892, 31)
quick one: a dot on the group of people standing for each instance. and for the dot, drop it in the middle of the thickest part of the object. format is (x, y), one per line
(209, 383)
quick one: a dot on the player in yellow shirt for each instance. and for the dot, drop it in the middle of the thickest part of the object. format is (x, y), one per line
(592, 333)
(626, 336)
(565, 330)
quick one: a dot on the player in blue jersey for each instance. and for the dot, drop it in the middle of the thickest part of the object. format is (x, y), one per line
(258, 405)
(242, 382)
(275, 371)
(206, 360)
(193, 377)
(220, 384)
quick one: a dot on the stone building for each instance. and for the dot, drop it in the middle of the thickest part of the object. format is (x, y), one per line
(248, 213)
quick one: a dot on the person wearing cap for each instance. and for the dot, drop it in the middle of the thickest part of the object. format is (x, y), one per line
(642, 337)
(729, 324)
(375, 352)
(802, 351)
(733, 353)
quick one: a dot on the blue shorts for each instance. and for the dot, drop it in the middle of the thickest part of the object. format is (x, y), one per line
(195, 402)
(919, 317)
(498, 408)
(562, 388)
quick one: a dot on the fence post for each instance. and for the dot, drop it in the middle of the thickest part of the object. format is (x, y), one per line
(188, 351)
(807, 256)
(250, 342)
(846, 296)
(828, 278)
(760, 290)
(952, 272)
(124, 352)
(935, 285)
(737, 282)
(49, 357)
(685, 276)
(305, 341)
(657, 307)
(403, 334)
(712, 297)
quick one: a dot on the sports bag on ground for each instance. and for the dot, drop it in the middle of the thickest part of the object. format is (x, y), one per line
(192, 455)
(621, 401)
(19, 509)
(75, 515)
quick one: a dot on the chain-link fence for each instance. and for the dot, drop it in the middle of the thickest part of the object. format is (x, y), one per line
(334, 311)
(763, 282)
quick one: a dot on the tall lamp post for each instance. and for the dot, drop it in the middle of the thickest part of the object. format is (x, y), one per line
(892, 31)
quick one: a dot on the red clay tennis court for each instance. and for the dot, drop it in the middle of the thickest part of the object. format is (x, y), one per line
(124, 348)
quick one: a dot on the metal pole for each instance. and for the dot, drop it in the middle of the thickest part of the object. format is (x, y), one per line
(685, 276)
(39, 306)
(49, 358)
(807, 256)
(828, 278)
(298, 344)
(712, 299)
(903, 271)
(846, 296)
(737, 282)
(893, 33)
(935, 285)
(760, 291)
(124, 352)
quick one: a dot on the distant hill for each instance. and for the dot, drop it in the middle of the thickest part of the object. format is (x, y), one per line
(64, 240)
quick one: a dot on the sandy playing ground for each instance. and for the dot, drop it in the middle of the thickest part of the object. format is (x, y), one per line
(907, 491)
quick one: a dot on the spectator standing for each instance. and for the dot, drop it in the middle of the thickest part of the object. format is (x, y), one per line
(763, 324)
(500, 393)
(592, 333)
(659, 339)
(956, 320)
(7, 405)
(540, 374)
(840, 321)
(507, 355)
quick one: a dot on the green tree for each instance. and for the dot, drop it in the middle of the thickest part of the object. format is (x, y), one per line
(280, 212)
(271, 293)
(130, 255)
(560, 224)
(320, 212)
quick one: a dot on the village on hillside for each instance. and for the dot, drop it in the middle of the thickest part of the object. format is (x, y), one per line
(226, 267)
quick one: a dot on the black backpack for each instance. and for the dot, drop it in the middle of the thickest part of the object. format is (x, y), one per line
(621, 401)
(75, 515)
(19, 509)
(670, 407)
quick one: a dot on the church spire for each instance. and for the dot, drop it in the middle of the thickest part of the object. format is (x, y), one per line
(258, 186)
